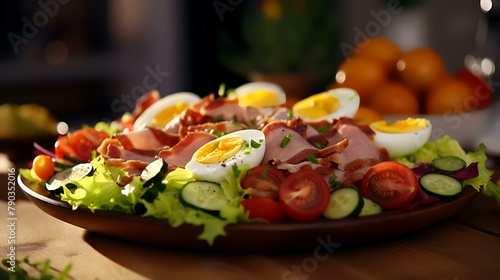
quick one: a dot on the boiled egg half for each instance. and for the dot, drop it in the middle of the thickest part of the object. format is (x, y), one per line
(164, 110)
(259, 95)
(328, 105)
(402, 137)
(214, 160)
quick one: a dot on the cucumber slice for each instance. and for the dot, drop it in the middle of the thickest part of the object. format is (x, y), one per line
(370, 208)
(344, 202)
(203, 195)
(154, 172)
(441, 186)
(449, 164)
(64, 177)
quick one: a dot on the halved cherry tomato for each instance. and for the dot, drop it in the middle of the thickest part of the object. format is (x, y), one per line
(79, 144)
(43, 166)
(304, 195)
(264, 180)
(391, 184)
(264, 208)
(63, 149)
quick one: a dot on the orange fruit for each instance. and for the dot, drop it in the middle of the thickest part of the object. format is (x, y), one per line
(381, 49)
(365, 116)
(394, 98)
(450, 96)
(420, 68)
(361, 74)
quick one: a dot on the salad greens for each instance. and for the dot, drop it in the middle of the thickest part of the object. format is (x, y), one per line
(101, 191)
(446, 146)
(104, 189)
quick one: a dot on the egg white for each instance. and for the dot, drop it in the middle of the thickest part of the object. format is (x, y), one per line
(349, 103)
(146, 118)
(253, 86)
(218, 171)
(402, 144)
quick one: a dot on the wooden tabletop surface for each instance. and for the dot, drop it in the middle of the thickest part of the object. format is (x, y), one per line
(466, 246)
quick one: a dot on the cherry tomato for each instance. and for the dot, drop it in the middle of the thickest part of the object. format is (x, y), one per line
(79, 144)
(43, 166)
(264, 208)
(264, 180)
(304, 195)
(481, 88)
(63, 149)
(391, 184)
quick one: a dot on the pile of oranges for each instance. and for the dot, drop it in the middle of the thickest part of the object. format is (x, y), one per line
(392, 82)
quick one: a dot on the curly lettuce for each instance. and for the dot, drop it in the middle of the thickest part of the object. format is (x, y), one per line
(447, 146)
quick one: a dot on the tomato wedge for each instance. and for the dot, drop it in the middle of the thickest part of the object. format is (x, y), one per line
(264, 208)
(264, 180)
(391, 184)
(304, 195)
(79, 144)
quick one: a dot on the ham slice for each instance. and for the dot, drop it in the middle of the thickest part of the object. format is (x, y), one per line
(294, 152)
(361, 150)
(180, 154)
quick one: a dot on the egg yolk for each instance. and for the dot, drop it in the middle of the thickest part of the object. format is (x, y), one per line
(218, 151)
(260, 98)
(401, 126)
(167, 114)
(316, 106)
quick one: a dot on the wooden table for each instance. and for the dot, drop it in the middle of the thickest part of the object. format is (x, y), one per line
(466, 246)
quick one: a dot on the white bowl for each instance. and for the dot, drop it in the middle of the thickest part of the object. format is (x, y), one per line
(467, 128)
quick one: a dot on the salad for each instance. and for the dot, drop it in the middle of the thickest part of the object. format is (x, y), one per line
(242, 156)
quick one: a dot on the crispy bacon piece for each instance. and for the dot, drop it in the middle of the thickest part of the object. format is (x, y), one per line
(148, 138)
(143, 102)
(180, 154)
(223, 109)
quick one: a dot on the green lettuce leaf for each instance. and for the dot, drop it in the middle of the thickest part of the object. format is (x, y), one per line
(100, 191)
(447, 146)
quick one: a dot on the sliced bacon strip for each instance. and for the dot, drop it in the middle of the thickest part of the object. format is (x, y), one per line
(180, 154)
(223, 127)
(148, 138)
(112, 148)
(223, 109)
(115, 151)
(143, 102)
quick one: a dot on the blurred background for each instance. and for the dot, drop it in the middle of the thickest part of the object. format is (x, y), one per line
(90, 60)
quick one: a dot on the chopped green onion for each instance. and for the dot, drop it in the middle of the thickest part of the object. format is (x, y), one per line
(222, 90)
(218, 119)
(236, 170)
(290, 114)
(333, 182)
(285, 140)
(312, 158)
(319, 145)
(263, 175)
(216, 133)
(322, 129)
(254, 144)
(235, 120)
